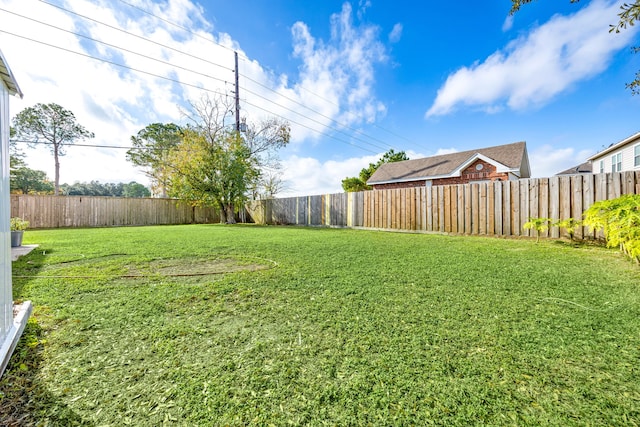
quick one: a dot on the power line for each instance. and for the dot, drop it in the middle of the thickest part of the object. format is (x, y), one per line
(270, 89)
(112, 63)
(314, 130)
(115, 47)
(189, 70)
(164, 62)
(178, 82)
(175, 25)
(312, 110)
(88, 145)
(134, 35)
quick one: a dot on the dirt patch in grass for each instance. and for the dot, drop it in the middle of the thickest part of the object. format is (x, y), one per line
(202, 267)
(129, 266)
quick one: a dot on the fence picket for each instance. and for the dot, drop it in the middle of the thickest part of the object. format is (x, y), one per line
(499, 208)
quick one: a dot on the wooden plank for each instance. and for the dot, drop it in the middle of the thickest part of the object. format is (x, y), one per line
(588, 198)
(441, 208)
(475, 209)
(446, 202)
(483, 204)
(600, 186)
(534, 211)
(453, 208)
(506, 208)
(403, 208)
(525, 212)
(565, 197)
(628, 182)
(577, 202)
(613, 186)
(461, 208)
(516, 225)
(554, 203)
(491, 209)
(429, 208)
(412, 208)
(543, 202)
(423, 208)
(498, 214)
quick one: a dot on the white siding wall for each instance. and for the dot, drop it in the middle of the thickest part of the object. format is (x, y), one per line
(6, 299)
(627, 159)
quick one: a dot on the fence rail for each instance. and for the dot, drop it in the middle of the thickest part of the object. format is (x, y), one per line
(85, 211)
(492, 208)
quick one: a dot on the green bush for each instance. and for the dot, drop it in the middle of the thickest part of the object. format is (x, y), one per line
(18, 224)
(619, 219)
(538, 224)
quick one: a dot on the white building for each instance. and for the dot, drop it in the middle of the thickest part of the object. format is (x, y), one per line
(11, 324)
(619, 157)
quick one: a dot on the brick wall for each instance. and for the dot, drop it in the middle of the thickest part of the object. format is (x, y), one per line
(393, 185)
(486, 173)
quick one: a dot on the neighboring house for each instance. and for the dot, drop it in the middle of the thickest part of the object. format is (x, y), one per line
(576, 170)
(11, 326)
(500, 163)
(618, 157)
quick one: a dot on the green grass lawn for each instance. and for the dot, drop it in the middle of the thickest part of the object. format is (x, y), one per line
(247, 325)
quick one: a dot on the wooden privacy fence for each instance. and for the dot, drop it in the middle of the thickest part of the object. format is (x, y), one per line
(490, 208)
(86, 211)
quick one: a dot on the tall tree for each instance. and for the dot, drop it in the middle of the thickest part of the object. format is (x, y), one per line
(629, 14)
(359, 183)
(151, 150)
(212, 173)
(50, 124)
(218, 166)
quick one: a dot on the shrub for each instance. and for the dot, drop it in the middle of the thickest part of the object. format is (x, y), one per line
(18, 224)
(619, 220)
(538, 224)
(569, 224)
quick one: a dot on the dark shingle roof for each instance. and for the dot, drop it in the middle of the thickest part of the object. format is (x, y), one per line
(582, 168)
(513, 156)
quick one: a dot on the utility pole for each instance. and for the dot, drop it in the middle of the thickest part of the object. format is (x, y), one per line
(237, 95)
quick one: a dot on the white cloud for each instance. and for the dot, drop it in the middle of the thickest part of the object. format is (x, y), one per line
(115, 102)
(396, 33)
(533, 69)
(547, 160)
(508, 23)
(307, 176)
(341, 69)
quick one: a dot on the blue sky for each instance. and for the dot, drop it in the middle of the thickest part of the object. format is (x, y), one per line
(354, 78)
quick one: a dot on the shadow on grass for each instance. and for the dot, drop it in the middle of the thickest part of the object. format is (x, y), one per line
(23, 268)
(24, 399)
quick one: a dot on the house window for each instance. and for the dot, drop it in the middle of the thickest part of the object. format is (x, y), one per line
(601, 166)
(616, 162)
(636, 155)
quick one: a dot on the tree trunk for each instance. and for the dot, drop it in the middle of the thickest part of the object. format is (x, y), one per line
(231, 217)
(56, 185)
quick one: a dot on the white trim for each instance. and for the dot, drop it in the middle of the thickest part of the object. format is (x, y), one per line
(13, 335)
(8, 78)
(500, 168)
(633, 154)
(615, 146)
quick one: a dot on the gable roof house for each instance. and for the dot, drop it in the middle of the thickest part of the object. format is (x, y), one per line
(577, 170)
(499, 163)
(619, 157)
(11, 326)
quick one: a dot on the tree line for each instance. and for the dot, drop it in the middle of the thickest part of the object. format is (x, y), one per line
(206, 162)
